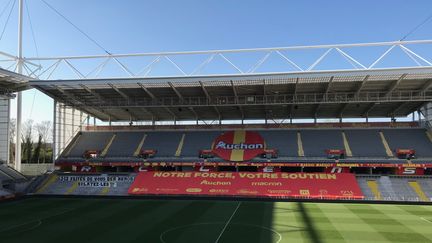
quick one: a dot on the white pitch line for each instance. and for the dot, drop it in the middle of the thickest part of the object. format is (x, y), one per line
(427, 220)
(227, 223)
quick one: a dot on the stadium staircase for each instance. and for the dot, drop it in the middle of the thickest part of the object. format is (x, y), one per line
(140, 145)
(180, 146)
(429, 135)
(386, 145)
(72, 145)
(346, 145)
(418, 190)
(373, 186)
(108, 145)
(300, 145)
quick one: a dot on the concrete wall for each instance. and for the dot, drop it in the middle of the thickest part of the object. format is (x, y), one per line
(4, 129)
(35, 169)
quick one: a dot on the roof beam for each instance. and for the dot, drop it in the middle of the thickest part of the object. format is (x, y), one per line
(147, 91)
(209, 97)
(328, 87)
(389, 91)
(294, 96)
(171, 112)
(126, 97)
(357, 93)
(395, 84)
(369, 109)
(362, 84)
(176, 91)
(119, 91)
(237, 99)
(205, 90)
(70, 96)
(426, 86)
(154, 117)
(182, 98)
(394, 111)
(98, 96)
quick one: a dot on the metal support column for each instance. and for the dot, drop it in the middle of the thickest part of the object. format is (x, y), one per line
(19, 96)
(54, 132)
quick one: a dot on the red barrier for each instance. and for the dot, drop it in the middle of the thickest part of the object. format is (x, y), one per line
(247, 184)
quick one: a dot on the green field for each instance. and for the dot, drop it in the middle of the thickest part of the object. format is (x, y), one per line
(116, 220)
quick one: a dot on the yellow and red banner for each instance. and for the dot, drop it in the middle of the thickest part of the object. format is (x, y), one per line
(238, 145)
(247, 184)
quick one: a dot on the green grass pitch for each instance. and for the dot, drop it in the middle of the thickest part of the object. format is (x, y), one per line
(77, 220)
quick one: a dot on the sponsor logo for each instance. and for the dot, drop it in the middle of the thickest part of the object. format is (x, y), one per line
(246, 191)
(138, 189)
(409, 171)
(336, 170)
(279, 191)
(304, 192)
(218, 191)
(268, 169)
(203, 169)
(238, 145)
(223, 145)
(194, 190)
(86, 168)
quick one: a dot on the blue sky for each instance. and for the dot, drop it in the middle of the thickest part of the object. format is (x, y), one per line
(154, 26)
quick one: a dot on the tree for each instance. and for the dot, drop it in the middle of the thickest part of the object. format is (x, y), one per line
(44, 130)
(12, 131)
(27, 133)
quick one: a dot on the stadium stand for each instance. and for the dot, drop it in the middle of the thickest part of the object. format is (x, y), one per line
(12, 182)
(315, 142)
(89, 141)
(284, 141)
(409, 138)
(395, 188)
(195, 141)
(124, 144)
(363, 143)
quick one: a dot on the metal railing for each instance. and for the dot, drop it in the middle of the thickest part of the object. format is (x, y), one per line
(251, 100)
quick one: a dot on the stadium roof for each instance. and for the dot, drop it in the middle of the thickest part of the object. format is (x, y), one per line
(12, 82)
(315, 94)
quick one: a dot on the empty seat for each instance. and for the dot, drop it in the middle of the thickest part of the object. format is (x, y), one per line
(365, 143)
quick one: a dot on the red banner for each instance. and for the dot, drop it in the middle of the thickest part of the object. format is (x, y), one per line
(238, 145)
(247, 184)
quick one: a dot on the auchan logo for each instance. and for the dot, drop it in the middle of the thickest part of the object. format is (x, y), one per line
(223, 145)
(238, 145)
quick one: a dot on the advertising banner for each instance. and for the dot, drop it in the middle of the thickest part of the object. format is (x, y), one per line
(238, 145)
(247, 184)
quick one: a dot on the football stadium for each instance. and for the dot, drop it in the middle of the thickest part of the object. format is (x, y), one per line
(211, 151)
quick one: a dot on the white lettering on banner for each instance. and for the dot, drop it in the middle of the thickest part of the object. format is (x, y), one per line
(268, 169)
(409, 171)
(223, 145)
(96, 181)
(336, 170)
(86, 168)
(203, 169)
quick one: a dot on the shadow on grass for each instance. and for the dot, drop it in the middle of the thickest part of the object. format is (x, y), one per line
(307, 221)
